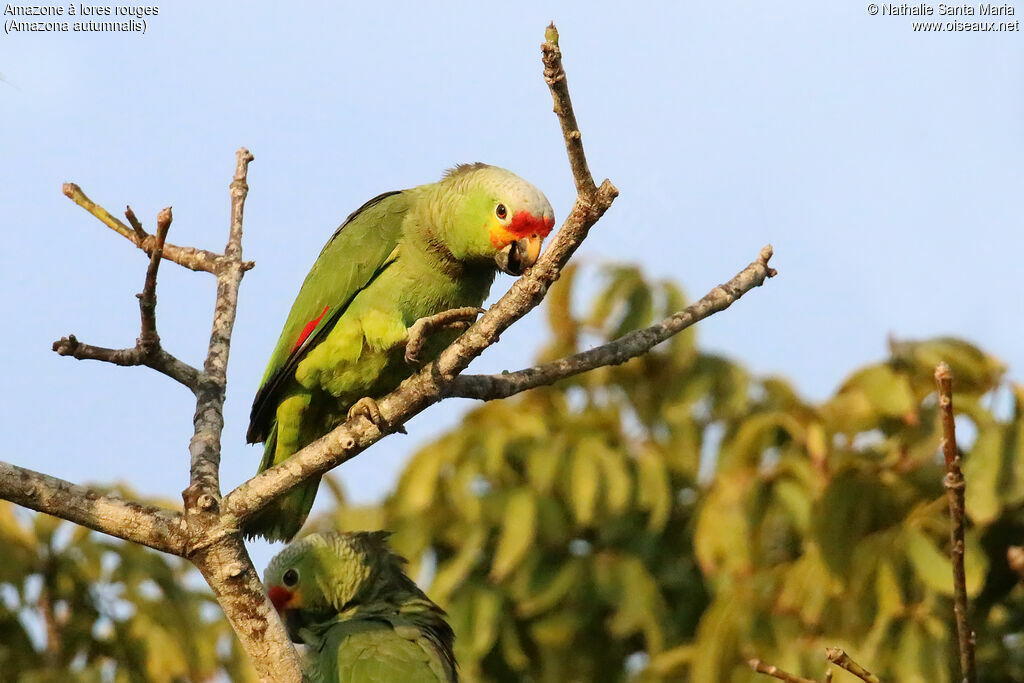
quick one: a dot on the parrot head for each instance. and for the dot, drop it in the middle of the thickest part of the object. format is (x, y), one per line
(321, 576)
(496, 215)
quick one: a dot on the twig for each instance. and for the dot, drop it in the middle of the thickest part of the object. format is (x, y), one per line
(148, 525)
(954, 485)
(838, 656)
(775, 672)
(189, 257)
(149, 340)
(160, 360)
(147, 350)
(205, 445)
(554, 76)
(212, 541)
(630, 345)
(136, 223)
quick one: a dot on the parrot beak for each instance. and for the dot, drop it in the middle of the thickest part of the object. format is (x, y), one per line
(515, 258)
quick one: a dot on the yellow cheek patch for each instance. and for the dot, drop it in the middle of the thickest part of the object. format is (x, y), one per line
(500, 236)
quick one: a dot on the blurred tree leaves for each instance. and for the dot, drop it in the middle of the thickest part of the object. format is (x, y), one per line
(661, 520)
(670, 517)
(78, 606)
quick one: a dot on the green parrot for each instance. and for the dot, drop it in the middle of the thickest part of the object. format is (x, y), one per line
(401, 257)
(346, 597)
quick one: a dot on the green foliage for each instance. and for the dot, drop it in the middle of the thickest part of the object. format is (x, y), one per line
(670, 517)
(77, 606)
(660, 520)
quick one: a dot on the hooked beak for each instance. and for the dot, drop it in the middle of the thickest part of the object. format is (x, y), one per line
(515, 258)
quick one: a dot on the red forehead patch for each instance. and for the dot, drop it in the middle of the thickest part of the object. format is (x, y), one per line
(525, 224)
(279, 596)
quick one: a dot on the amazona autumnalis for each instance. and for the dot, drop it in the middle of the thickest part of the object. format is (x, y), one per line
(401, 257)
(348, 600)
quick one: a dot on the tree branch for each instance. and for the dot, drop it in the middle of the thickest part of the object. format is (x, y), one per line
(149, 340)
(775, 672)
(209, 420)
(554, 76)
(213, 543)
(188, 257)
(147, 350)
(148, 525)
(159, 360)
(838, 656)
(954, 485)
(630, 345)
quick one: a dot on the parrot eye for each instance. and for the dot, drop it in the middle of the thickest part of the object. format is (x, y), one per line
(290, 578)
(500, 211)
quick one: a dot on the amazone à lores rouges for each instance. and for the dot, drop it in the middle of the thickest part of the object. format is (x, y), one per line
(401, 257)
(347, 598)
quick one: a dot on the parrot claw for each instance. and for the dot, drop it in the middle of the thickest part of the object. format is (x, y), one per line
(367, 407)
(455, 318)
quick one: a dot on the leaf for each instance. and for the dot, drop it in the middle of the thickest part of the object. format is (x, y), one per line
(543, 463)
(456, 570)
(512, 647)
(618, 481)
(419, 481)
(654, 491)
(518, 531)
(873, 392)
(486, 616)
(546, 596)
(982, 468)
(584, 484)
(935, 569)
(557, 630)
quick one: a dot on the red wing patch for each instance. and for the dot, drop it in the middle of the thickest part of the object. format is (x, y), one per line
(308, 329)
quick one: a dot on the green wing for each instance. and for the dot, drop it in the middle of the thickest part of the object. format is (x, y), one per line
(373, 652)
(357, 251)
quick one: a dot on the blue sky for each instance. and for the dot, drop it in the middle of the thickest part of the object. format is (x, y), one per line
(884, 165)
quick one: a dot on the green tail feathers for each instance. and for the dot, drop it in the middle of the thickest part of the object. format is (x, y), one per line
(283, 518)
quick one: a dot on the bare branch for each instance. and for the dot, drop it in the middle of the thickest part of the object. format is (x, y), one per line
(188, 257)
(147, 350)
(209, 423)
(148, 525)
(160, 360)
(775, 672)
(227, 568)
(149, 340)
(136, 223)
(631, 345)
(839, 657)
(954, 485)
(554, 76)
(213, 543)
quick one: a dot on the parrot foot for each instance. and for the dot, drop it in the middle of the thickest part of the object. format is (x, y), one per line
(455, 318)
(367, 407)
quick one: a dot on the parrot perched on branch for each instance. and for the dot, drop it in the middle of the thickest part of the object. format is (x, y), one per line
(346, 597)
(415, 255)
